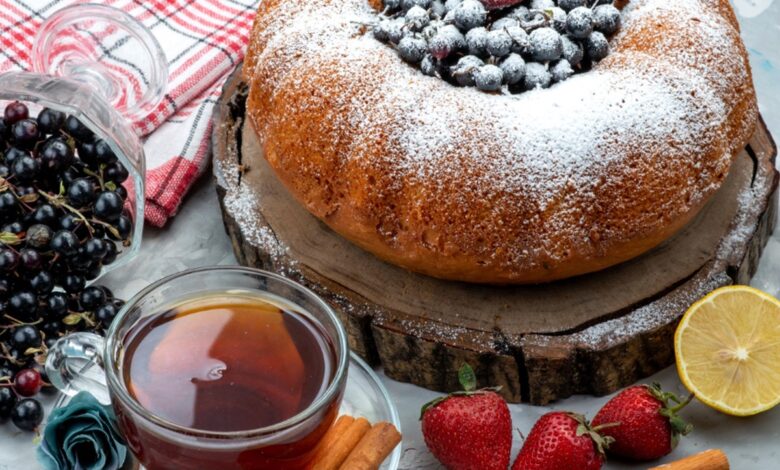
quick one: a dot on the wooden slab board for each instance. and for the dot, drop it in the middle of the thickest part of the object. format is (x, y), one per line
(590, 334)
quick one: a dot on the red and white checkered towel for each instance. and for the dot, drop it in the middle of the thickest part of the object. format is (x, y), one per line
(203, 41)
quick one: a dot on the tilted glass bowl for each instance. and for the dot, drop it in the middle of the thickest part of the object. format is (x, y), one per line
(101, 66)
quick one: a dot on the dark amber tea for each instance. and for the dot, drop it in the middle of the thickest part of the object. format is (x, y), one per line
(228, 363)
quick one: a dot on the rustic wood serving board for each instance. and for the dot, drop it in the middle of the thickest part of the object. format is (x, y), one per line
(591, 334)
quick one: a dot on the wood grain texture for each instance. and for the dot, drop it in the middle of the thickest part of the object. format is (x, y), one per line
(590, 334)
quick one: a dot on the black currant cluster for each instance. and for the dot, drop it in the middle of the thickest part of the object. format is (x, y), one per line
(62, 219)
(514, 45)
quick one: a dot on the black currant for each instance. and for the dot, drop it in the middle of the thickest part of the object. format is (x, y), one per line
(42, 283)
(78, 130)
(14, 227)
(45, 214)
(111, 254)
(56, 304)
(15, 112)
(27, 414)
(8, 260)
(23, 304)
(50, 121)
(116, 172)
(7, 403)
(4, 170)
(39, 236)
(8, 203)
(30, 260)
(96, 248)
(56, 154)
(81, 192)
(103, 153)
(73, 283)
(12, 154)
(26, 168)
(25, 337)
(65, 243)
(105, 314)
(25, 133)
(108, 206)
(92, 297)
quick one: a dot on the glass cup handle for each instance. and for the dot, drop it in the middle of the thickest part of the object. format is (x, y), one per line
(75, 364)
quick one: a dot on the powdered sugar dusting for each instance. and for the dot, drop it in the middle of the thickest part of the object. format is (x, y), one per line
(529, 179)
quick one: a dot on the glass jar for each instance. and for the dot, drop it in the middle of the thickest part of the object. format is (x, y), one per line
(100, 66)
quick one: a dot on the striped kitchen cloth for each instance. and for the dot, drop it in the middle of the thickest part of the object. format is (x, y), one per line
(203, 41)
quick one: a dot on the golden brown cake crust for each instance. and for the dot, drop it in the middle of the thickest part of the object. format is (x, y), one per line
(460, 184)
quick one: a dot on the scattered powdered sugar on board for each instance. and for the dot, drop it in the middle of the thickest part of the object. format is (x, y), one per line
(557, 165)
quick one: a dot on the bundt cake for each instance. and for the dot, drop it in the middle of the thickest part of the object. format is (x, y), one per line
(509, 186)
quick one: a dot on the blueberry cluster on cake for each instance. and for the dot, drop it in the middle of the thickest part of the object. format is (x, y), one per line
(500, 187)
(519, 44)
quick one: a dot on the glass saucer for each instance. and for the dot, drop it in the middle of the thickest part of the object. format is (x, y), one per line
(366, 396)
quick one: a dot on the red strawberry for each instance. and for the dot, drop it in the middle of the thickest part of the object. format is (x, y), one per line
(469, 430)
(562, 440)
(646, 428)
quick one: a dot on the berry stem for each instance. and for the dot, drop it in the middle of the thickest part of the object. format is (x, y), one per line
(57, 201)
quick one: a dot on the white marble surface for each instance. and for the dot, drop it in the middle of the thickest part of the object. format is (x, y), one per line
(196, 238)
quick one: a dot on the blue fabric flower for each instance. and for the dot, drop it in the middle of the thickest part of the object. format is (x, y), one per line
(82, 435)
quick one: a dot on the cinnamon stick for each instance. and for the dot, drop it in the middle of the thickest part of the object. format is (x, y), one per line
(373, 449)
(333, 434)
(343, 443)
(713, 459)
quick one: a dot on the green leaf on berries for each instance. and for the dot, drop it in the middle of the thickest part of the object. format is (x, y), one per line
(10, 238)
(62, 188)
(31, 351)
(671, 405)
(467, 378)
(110, 185)
(29, 198)
(72, 319)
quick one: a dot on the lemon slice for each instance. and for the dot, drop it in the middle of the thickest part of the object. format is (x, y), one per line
(727, 348)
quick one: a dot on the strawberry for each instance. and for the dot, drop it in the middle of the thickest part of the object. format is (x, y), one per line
(646, 426)
(562, 440)
(469, 430)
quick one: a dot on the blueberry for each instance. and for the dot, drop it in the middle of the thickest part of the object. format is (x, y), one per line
(596, 46)
(488, 77)
(561, 71)
(438, 10)
(572, 51)
(520, 13)
(536, 76)
(417, 18)
(570, 5)
(579, 23)
(542, 4)
(446, 41)
(476, 41)
(521, 43)
(504, 22)
(545, 44)
(50, 121)
(464, 70)
(407, 4)
(469, 14)
(411, 49)
(499, 43)
(450, 5)
(558, 19)
(606, 19)
(513, 68)
(395, 30)
(429, 66)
